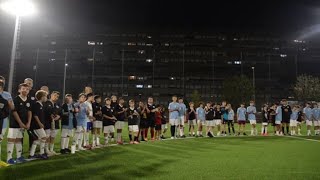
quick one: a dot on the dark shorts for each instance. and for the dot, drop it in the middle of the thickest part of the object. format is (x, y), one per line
(285, 121)
(143, 124)
(151, 124)
(158, 127)
(273, 122)
(225, 121)
(89, 126)
(241, 122)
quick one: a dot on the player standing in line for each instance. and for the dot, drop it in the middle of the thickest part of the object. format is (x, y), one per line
(151, 109)
(265, 119)
(251, 111)
(217, 118)
(143, 120)
(108, 121)
(230, 119)
(97, 124)
(241, 117)
(224, 111)
(120, 112)
(158, 122)
(191, 119)
(31, 96)
(201, 119)
(307, 112)
(182, 116)
(209, 119)
(293, 120)
(90, 119)
(164, 126)
(133, 120)
(82, 110)
(278, 120)
(286, 112)
(316, 118)
(173, 116)
(272, 117)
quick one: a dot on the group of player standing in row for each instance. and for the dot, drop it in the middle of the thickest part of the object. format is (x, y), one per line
(41, 115)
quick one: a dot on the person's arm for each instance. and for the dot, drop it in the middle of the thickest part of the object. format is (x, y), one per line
(29, 119)
(17, 118)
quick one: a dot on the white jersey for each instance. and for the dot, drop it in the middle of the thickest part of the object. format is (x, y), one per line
(89, 105)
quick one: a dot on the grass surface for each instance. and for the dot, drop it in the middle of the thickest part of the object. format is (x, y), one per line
(190, 158)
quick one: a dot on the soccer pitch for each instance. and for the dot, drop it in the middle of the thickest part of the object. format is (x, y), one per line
(190, 158)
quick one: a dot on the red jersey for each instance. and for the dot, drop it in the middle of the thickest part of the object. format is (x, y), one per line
(158, 118)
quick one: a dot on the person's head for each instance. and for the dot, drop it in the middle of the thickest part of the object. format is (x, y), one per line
(54, 96)
(229, 106)
(158, 107)
(68, 99)
(121, 101)
(180, 100)
(90, 97)
(318, 104)
(97, 99)
(201, 104)
(174, 98)
(82, 97)
(87, 90)
(251, 103)
(45, 88)
(284, 102)
(308, 104)
(141, 104)
(107, 101)
(131, 103)
(114, 98)
(24, 89)
(2, 82)
(150, 100)
(218, 106)
(242, 105)
(41, 96)
(224, 103)
(209, 104)
(191, 104)
(29, 81)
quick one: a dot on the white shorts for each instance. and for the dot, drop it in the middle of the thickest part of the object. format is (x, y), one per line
(119, 125)
(173, 122)
(217, 122)
(192, 122)
(277, 122)
(202, 122)
(164, 126)
(293, 123)
(40, 133)
(308, 123)
(264, 124)
(97, 124)
(209, 122)
(51, 133)
(81, 129)
(181, 120)
(15, 133)
(108, 129)
(133, 128)
(316, 123)
(66, 132)
(253, 121)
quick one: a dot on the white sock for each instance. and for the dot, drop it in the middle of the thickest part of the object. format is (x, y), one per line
(277, 132)
(309, 132)
(262, 129)
(63, 141)
(10, 147)
(181, 131)
(33, 147)
(66, 143)
(299, 130)
(51, 147)
(119, 137)
(80, 139)
(251, 131)
(42, 144)
(266, 129)
(19, 149)
(75, 139)
(93, 140)
(106, 140)
(98, 141)
(46, 147)
(294, 132)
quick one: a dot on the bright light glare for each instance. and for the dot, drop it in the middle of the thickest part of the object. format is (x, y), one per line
(18, 7)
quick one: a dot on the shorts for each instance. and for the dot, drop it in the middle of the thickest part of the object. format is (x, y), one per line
(51, 133)
(15, 133)
(164, 126)
(316, 123)
(298, 122)
(143, 124)
(96, 130)
(108, 129)
(308, 123)
(202, 122)
(209, 122)
(253, 122)
(217, 122)
(119, 125)
(97, 124)
(173, 122)
(277, 122)
(80, 129)
(158, 127)
(133, 128)
(66, 132)
(285, 120)
(89, 126)
(243, 122)
(181, 121)
(192, 122)
(151, 123)
(264, 124)
(293, 123)
(40, 133)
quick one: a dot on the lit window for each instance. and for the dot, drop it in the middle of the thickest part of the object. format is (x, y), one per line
(91, 43)
(52, 59)
(132, 44)
(283, 55)
(99, 43)
(149, 37)
(166, 44)
(53, 43)
(141, 51)
(132, 77)
(172, 78)
(139, 86)
(237, 62)
(90, 59)
(52, 52)
(149, 86)
(149, 44)
(229, 62)
(235, 39)
(140, 78)
(149, 60)
(276, 48)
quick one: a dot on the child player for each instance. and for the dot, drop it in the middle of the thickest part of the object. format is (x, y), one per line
(97, 124)
(158, 122)
(316, 118)
(241, 117)
(217, 119)
(230, 119)
(307, 112)
(133, 121)
(251, 111)
(108, 121)
(293, 120)
(143, 120)
(90, 118)
(191, 118)
(173, 116)
(201, 119)
(164, 126)
(120, 115)
(82, 109)
(265, 119)
(278, 120)
(209, 119)
(182, 116)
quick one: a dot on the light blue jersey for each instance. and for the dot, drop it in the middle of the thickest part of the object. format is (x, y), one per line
(308, 112)
(251, 110)
(70, 124)
(241, 113)
(201, 113)
(279, 114)
(231, 115)
(294, 115)
(82, 114)
(174, 106)
(182, 109)
(6, 95)
(316, 113)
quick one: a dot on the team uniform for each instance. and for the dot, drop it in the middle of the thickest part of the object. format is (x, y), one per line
(230, 120)
(191, 117)
(143, 118)
(210, 117)
(120, 117)
(217, 116)
(108, 124)
(158, 121)
(201, 116)
(182, 112)
(251, 110)
(150, 120)
(5, 97)
(133, 123)
(265, 119)
(308, 115)
(81, 117)
(241, 112)
(97, 124)
(286, 112)
(278, 118)
(173, 117)
(293, 118)
(68, 123)
(51, 127)
(316, 119)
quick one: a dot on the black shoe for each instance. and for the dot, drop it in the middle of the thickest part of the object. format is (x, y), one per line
(63, 151)
(201, 135)
(244, 134)
(67, 150)
(210, 135)
(162, 137)
(183, 136)
(142, 139)
(238, 134)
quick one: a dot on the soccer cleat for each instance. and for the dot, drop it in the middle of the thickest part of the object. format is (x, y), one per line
(120, 143)
(81, 149)
(54, 153)
(63, 151)
(49, 153)
(209, 135)
(244, 134)
(21, 160)
(44, 156)
(67, 150)
(183, 136)
(12, 161)
(136, 142)
(201, 135)
(131, 142)
(172, 137)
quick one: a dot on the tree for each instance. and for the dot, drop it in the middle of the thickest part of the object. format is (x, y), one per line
(195, 97)
(307, 88)
(238, 89)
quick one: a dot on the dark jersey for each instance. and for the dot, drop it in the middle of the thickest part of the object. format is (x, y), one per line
(271, 115)
(143, 114)
(108, 112)
(300, 116)
(96, 107)
(191, 114)
(151, 116)
(217, 114)
(132, 119)
(31, 96)
(121, 116)
(37, 110)
(22, 108)
(51, 110)
(164, 118)
(210, 114)
(4, 109)
(286, 112)
(265, 116)
(114, 105)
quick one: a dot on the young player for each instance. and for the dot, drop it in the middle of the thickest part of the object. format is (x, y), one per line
(201, 119)
(143, 120)
(182, 117)
(133, 121)
(224, 111)
(108, 120)
(38, 124)
(217, 118)
(31, 96)
(90, 118)
(158, 122)
(251, 111)
(230, 119)
(272, 117)
(278, 120)
(173, 116)
(68, 122)
(114, 101)
(120, 115)
(191, 119)
(241, 117)
(316, 118)
(164, 126)
(307, 112)
(97, 124)
(151, 109)
(293, 120)
(19, 121)
(299, 120)
(209, 119)
(286, 112)
(82, 110)
(265, 119)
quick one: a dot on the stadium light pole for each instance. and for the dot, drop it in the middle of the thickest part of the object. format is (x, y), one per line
(65, 72)
(18, 8)
(253, 83)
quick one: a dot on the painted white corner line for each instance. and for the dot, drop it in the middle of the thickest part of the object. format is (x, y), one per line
(295, 137)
